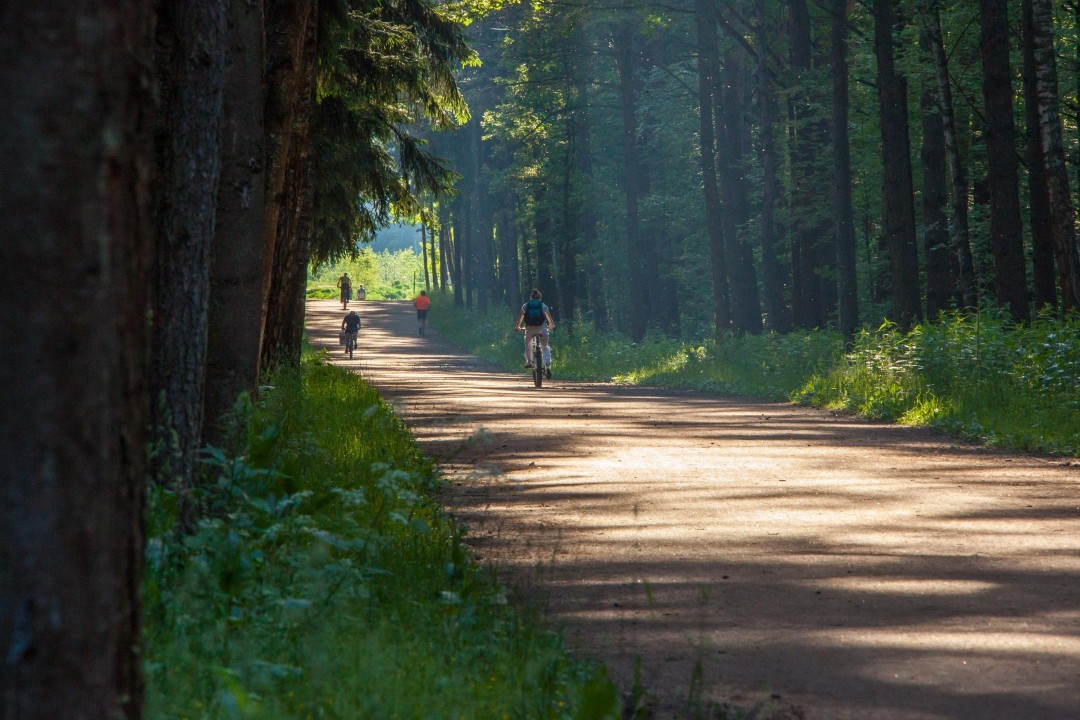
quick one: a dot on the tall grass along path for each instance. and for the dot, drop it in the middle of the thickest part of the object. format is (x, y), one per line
(721, 550)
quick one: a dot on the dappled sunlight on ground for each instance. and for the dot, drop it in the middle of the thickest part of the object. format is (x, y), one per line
(857, 570)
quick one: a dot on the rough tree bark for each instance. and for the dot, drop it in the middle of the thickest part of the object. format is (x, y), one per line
(742, 276)
(958, 197)
(1062, 215)
(291, 49)
(896, 155)
(190, 62)
(237, 305)
(708, 54)
(773, 273)
(76, 235)
(935, 196)
(844, 215)
(1044, 281)
(813, 250)
(1006, 229)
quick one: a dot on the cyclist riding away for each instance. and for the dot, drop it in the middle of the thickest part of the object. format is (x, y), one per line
(422, 303)
(536, 317)
(346, 290)
(350, 326)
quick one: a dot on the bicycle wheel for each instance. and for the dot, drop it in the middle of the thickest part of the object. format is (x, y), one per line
(538, 363)
(350, 345)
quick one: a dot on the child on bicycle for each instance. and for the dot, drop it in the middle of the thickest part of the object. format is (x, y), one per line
(350, 326)
(536, 317)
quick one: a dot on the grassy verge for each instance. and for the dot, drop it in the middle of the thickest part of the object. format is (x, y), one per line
(976, 376)
(325, 582)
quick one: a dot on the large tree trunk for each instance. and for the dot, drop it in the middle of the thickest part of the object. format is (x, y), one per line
(1062, 216)
(292, 48)
(1006, 229)
(1042, 236)
(76, 222)
(235, 326)
(898, 186)
(965, 266)
(708, 54)
(844, 215)
(773, 272)
(191, 75)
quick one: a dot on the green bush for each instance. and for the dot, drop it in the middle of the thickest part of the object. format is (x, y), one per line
(979, 376)
(325, 581)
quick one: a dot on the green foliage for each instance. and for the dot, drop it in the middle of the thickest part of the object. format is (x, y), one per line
(385, 275)
(324, 581)
(383, 69)
(974, 375)
(977, 376)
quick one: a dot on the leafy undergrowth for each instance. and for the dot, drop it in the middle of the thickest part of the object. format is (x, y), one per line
(977, 376)
(974, 376)
(325, 582)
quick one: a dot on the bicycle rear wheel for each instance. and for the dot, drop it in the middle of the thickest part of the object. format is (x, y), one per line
(538, 363)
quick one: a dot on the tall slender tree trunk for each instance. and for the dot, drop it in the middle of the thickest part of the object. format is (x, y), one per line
(191, 51)
(1006, 229)
(443, 211)
(813, 250)
(896, 155)
(935, 199)
(1044, 281)
(457, 267)
(844, 215)
(773, 272)
(708, 54)
(742, 276)
(958, 196)
(424, 253)
(1062, 215)
(235, 320)
(77, 229)
(639, 290)
(433, 258)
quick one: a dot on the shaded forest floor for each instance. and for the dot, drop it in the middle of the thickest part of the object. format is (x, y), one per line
(752, 553)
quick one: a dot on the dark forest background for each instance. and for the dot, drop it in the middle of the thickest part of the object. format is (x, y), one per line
(701, 168)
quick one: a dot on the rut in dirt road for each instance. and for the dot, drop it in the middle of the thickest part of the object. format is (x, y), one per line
(823, 566)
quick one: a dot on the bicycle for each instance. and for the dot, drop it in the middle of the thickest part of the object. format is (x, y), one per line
(536, 360)
(350, 343)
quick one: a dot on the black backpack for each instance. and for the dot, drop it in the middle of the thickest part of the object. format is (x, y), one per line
(534, 313)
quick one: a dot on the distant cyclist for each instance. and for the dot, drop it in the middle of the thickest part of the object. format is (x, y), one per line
(535, 319)
(350, 326)
(422, 303)
(346, 290)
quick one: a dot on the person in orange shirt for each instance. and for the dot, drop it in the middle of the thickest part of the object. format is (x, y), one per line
(422, 303)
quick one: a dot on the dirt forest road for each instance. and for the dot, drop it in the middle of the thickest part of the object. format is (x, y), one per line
(811, 565)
